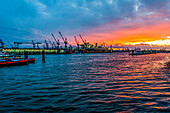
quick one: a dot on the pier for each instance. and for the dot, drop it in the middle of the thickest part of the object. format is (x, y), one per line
(32, 51)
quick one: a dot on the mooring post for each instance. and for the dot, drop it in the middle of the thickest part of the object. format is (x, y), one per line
(26, 54)
(43, 55)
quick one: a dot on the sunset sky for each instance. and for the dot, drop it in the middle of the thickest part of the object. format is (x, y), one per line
(117, 22)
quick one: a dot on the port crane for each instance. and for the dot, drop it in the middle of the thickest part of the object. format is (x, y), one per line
(46, 44)
(10, 44)
(64, 39)
(84, 41)
(32, 42)
(77, 42)
(2, 44)
(57, 41)
(52, 44)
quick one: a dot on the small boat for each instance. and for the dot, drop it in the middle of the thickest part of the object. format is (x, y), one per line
(136, 53)
(32, 60)
(16, 61)
(139, 52)
(10, 62)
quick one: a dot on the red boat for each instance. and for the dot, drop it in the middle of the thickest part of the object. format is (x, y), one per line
(32, 60)
(14, 63)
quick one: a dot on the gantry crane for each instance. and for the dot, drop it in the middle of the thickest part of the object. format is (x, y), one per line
(33, 43)
(77, 42)
(57, 41)
(64, 39)
(2, 44)
(52, 44)
(10, 44)
(46, 44)
(84, 41)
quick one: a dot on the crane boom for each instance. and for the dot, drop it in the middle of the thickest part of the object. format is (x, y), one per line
(76, 40)
(9, 43)
(17, 43)
(27, 43)
(61, 36)
(57, 41)
(65, 40)
(46, 44)
(51, 43)
(2, 43)
(82, 39)
(54, 37)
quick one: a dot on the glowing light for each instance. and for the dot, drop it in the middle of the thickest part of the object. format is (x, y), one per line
(165, 42)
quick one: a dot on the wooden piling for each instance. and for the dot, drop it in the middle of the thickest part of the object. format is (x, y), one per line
(26, 54)
(43, 56)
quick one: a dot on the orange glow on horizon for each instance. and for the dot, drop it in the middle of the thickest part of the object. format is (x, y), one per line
(156, 42)
(133, 32)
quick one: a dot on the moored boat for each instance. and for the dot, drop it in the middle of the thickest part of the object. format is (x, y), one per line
(31, 60)
(10, 62)
(143, 52)
(12, 57)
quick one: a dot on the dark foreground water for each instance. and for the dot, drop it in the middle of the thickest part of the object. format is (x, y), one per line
(113, 82)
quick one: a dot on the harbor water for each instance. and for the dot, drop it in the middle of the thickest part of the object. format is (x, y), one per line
(105, 82)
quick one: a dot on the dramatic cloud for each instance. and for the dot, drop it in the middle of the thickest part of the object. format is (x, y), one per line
(96, 20)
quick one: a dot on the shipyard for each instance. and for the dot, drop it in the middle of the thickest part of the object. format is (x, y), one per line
(84, 56)
(54, 47)
(13, 55)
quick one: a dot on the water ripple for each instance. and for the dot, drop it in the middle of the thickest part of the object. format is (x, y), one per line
(113, 82)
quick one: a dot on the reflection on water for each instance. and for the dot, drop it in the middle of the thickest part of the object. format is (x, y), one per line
(88, 83)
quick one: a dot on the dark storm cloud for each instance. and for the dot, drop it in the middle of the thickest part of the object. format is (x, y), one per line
(70, 16)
